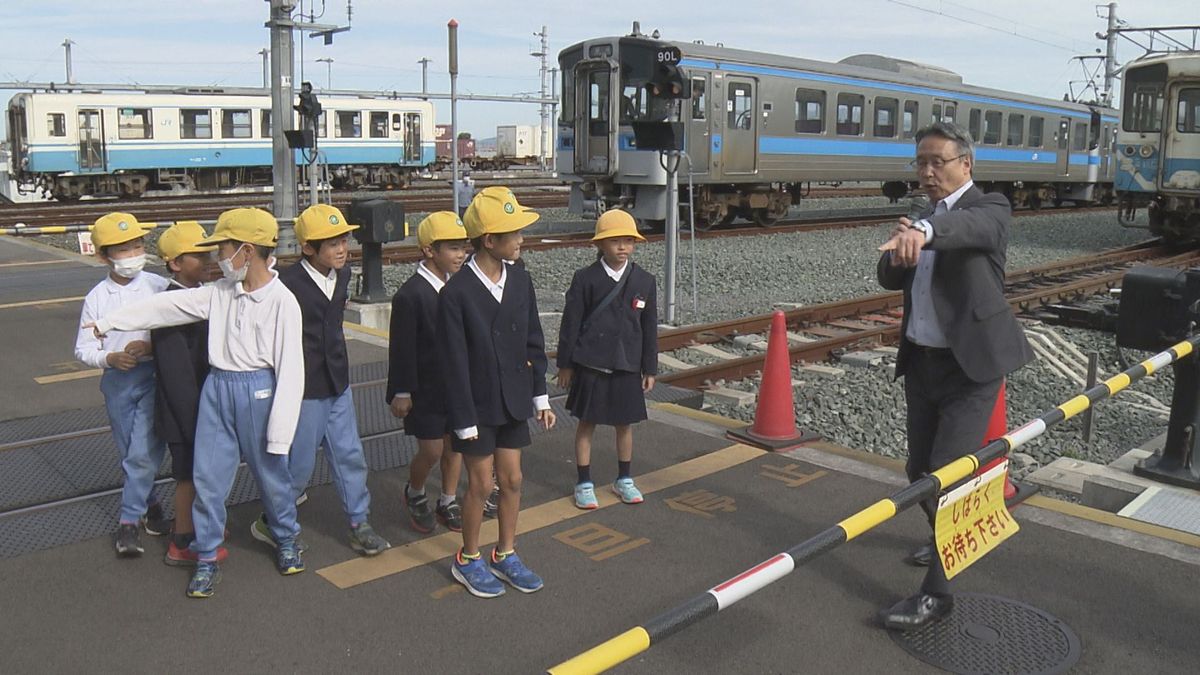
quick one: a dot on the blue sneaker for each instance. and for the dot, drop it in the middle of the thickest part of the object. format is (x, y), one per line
(288, 560)
(475, 575)
(627, 491)
(204, 579)
(512, 570)
(585, 496)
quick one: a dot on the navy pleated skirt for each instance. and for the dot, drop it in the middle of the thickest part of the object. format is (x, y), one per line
(606, 398)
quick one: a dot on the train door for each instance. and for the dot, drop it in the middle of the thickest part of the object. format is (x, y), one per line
(740, 151)
(699, 135)
(596, 118)
(1064, 153)
(92, 156)
(412, 137)
(1180, 167)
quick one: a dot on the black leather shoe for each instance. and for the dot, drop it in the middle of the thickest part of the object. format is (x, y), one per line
(921, 557)
(916, 612)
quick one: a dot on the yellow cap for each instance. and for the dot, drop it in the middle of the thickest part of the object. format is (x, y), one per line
(252, 226)
(495, 211)
(440, 226)
(116, 228)
(321, 221)
(182, 237)
(616, 223)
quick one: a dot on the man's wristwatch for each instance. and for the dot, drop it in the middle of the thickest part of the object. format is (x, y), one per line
(922, 226)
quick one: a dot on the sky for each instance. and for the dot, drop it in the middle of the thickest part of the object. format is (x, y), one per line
(216, 42)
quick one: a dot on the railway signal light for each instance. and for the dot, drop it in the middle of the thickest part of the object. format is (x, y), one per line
(669, 82)
(308, 107)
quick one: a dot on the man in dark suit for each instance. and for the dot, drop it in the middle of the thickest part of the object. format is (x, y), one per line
(959, 337)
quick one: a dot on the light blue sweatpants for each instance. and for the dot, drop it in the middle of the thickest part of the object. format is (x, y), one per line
(129, 400)
(332, 421)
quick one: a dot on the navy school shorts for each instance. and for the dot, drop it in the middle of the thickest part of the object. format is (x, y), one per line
(510, 435)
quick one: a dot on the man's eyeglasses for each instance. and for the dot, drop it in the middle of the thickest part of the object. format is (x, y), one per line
(935, 162)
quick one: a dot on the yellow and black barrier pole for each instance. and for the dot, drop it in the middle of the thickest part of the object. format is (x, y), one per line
(68, 229)
(638, 639)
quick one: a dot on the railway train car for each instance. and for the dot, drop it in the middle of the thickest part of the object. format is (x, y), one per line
(757, 127)
(1158, 144)
(74, 144)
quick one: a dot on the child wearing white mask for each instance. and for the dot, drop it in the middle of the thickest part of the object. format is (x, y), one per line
(128, 379)
(250, 402)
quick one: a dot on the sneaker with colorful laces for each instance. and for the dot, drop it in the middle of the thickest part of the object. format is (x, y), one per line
(127, 541)
(204, 580)
(185, 557)
(492, 504)
(288, 560)
(627, 491)
(450, 515)
(511, 569)
(475, 575)
(585, 496)
(364, 540)
(419, 513)
(155, 522)
(262, 532)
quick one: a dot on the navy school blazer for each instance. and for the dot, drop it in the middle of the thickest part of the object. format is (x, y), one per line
(181, 366)
(494, 353)
(326, 363)
(624, 336)
(413, 363)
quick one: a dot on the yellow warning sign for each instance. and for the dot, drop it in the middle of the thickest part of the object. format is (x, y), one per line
(972, 520)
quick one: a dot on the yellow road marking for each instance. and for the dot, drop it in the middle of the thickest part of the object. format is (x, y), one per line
(36, 303)
(365, 329)
(1106, 518)
(67, 377)
(35, 262)
(684, 411)
(432, 549)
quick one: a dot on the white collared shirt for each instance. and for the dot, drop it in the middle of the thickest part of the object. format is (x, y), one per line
(105, 297)
(615, 275)
(247, 331)
(432, 277)
(326, 282)
(923, 326)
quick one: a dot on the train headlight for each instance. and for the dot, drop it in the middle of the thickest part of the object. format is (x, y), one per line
(1146, 151)
(1129, 150)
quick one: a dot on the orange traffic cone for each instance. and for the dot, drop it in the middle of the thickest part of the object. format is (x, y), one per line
(774, 425)
(997, 427)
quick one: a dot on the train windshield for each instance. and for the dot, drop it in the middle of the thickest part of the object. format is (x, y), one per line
(1187, 118)
(638, 61)
(1143, 109)
(566, 64)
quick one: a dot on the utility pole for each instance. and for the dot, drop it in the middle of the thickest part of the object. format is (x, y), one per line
(553, 154)
(1110, 55)
(425, 61)
(545, 113)
(283, 158)
(266, 54)
(328, 61)
(452, 28)
(67, 45)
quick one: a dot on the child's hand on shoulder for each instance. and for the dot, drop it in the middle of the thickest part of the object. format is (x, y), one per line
(401, 406)
(121, 360)
(546, 418)
(563, 378)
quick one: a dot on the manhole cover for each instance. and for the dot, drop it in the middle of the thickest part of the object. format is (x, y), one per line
(987, 634)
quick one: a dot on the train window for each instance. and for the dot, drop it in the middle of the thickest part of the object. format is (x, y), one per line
(598, 96)
(379, 125)
(949, 112)
(810, 111)
(264, 128)
(349, 124)
(1079, 138)
(1187, 118)
(991, 127)
(195, 123)
(911, 110)
(741, 109)
(1144, 98)
(937, 112)
(885, 117)
(57, 124)
(1036, 125)
(236, 124)
(134, 123)
(974, 122)
(1016, 130)
(698, 98)
(568, 97)
(397, 125)
(633, 103)
(849, 114)
(321, 130)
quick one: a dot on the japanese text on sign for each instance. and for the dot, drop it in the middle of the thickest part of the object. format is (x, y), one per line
(972, 520)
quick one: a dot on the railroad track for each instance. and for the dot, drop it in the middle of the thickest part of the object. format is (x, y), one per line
(825, 330)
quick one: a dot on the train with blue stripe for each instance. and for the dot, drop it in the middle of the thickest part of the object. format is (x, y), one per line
(70, 145)
(757, 128)
(1158, 144)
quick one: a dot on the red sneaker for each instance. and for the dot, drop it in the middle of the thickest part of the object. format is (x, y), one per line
(186, 557)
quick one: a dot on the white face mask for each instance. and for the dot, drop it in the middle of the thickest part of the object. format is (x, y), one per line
(129, 267)
(226, 265)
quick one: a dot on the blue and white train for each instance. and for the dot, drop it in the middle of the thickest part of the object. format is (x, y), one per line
(1158, 145)
(74, 144)
(757, 127)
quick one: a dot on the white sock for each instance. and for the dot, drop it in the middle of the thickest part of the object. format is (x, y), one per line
(414, 493)
(445, 500)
